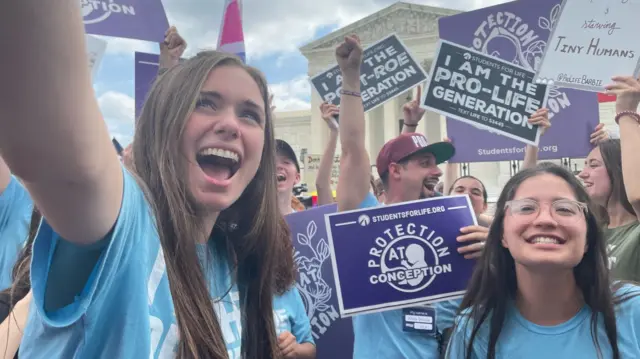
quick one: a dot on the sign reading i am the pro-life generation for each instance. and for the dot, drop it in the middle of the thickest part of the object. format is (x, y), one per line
(399, 255)
(387, 70)
(591, 42)
(485, 92)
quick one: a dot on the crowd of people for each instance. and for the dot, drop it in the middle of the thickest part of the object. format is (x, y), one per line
(180, 249)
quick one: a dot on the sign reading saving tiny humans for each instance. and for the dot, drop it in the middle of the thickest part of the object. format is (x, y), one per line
(333, 335)
(387, 70)
(399, 255)
(484, 91)
(592, 41)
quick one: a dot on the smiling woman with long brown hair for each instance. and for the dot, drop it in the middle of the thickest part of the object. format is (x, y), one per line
(180, 257)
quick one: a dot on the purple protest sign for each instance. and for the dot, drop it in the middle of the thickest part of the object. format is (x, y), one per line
(517, 32)
(146, 68)
(332, 334)
(399, 255)
(132, 19)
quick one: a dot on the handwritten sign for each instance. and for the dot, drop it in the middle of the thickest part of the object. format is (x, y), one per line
(591, 42)
(484, 91)
(333, 335)
(397, 256)
(312, 165)
(387, 70)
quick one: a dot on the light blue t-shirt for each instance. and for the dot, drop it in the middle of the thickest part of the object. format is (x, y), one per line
(291, 316)
(125, 309)
(525, 340)
(15, 215)
(380, 335)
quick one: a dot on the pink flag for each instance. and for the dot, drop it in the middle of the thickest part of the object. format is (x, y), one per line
(231, 35)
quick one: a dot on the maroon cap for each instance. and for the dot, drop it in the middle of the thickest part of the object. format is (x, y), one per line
(409, 144)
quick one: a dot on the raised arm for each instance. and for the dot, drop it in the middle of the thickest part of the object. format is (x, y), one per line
(353, 183)
(52, 134)
(323, 178)
(627, 90)
(171, 49)
(413, 113)
(539, 118)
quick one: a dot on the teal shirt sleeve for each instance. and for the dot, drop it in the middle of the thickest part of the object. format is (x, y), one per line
(15, 215)
(300, 325)
(121, 254)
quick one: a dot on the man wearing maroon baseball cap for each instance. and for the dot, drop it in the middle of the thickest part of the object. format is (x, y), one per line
(409, 164)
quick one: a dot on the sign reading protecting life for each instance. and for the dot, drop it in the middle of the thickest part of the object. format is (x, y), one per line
(397, 256)
(132, 19)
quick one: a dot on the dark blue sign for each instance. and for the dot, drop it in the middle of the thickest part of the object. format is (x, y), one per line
(332, 334)
(397, 256)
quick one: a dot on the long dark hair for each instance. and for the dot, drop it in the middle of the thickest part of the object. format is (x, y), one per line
(493, 283)
(612, 157)
(20, 274)
(252, 230)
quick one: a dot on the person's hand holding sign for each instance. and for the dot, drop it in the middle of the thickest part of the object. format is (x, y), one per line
(600, 134)
(476, 236)
(541, 118)
(329, 112)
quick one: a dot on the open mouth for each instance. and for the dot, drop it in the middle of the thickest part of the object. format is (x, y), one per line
(587, 184)
(545, 240)
(218, 163)
(280, 177)
(430, 184)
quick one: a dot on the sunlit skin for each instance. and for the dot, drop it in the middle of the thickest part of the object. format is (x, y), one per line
(474, 189)
(595, 178)
(418, 174)
(229, 115)
(519, 230)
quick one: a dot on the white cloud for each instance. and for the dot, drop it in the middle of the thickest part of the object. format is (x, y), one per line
(118, 110)
(280, 25)
(292, 95)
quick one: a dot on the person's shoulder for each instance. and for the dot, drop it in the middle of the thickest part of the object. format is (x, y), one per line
(627, 295)
(369, 201)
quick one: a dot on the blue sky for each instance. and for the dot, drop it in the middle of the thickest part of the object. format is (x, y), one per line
(274, 30)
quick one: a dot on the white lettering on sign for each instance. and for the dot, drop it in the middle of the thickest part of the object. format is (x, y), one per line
(408, 257)
(95, 11)
(504, 27)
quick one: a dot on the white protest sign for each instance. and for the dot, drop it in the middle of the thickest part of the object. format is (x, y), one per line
(312, 165)
(95, 51)
(591, 41)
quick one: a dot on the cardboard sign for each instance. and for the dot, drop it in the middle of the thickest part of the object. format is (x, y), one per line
(132, 19)
(591, 42)
(387, 70)
(401, 255)
(517, 32)
(333, 336)
(485, 92)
